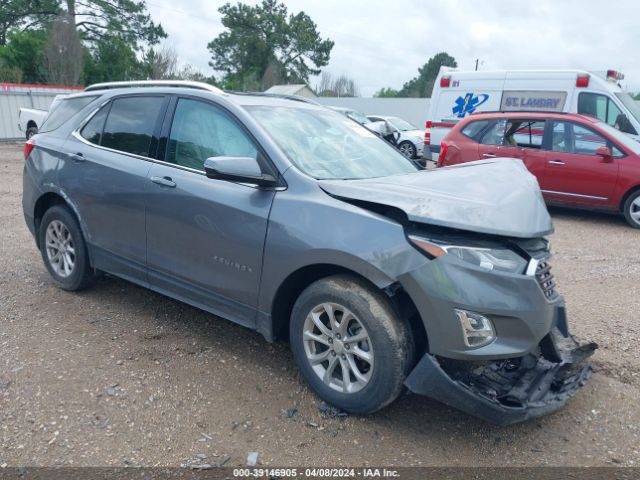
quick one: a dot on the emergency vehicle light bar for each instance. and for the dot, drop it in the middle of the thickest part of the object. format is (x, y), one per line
(614, 75)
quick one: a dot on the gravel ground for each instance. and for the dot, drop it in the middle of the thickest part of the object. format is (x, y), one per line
(117, 375)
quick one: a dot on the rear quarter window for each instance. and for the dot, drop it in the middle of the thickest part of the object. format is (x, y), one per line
(474, 129)
(66, 109)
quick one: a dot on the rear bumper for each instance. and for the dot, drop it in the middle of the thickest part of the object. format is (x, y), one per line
(508, 391)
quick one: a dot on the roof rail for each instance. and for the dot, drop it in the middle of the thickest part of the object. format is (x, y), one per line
(154, 83)
(518, 111)
(284, 96)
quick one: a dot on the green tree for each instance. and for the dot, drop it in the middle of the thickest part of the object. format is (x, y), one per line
(265, 39)
(25, 50)
(422, 85)
(386, 93)
(10, 74)
(25, 14)
(112, 59)
(94, 19)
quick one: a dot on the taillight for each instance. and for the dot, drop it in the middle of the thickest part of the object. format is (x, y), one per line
(443, 153)
(445, 81)
(582, 80)
(28, 147)
(427, 133)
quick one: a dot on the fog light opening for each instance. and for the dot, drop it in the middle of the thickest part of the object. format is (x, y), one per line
(477, 330)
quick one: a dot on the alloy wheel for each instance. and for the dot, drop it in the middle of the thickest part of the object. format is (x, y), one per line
(634, 210)
(338, 348)
(60, 248)
(407, 150)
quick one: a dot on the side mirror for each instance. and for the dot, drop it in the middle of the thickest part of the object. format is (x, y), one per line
(605, 153)
(238, 169)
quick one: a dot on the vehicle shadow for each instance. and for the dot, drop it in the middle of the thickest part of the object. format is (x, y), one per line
(595, 216)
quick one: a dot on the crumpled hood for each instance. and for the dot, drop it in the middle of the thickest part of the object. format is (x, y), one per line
(498, 197)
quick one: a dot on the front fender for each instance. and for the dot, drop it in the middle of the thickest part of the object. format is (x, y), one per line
(314, 228)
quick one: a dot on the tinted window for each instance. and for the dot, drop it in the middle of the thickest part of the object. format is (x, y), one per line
(92, 131)
(130, 124)
(473, 129)
(603, 108)
(200, 130)
(65, 109)
(593, 104)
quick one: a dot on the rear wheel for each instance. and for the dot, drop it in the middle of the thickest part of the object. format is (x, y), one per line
(349, 344)
(63, 249)
(632, 209)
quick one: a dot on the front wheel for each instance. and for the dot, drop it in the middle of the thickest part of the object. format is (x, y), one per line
(632, 209)
(408, 149)
(350, 345)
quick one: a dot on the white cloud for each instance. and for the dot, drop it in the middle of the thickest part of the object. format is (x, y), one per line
(382, 43)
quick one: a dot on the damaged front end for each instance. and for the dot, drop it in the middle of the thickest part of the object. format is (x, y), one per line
(511, 390)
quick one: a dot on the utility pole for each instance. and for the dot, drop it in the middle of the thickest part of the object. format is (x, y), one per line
(477, 60)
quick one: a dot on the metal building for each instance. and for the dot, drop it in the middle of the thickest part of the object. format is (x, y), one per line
(14, 96)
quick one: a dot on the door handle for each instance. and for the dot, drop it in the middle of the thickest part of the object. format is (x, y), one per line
(556, 162)
(164, 181)
(77, 157)
(488, 155)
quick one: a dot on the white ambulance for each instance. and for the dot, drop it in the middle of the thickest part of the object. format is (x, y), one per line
(457, 94)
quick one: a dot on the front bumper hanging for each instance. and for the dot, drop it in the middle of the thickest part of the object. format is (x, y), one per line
(510, 390)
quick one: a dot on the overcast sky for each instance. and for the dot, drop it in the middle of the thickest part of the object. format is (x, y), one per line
(382, 43)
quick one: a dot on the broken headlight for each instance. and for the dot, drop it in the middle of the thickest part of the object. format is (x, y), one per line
(499, 259)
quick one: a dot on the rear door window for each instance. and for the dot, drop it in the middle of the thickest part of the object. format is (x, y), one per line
(66, 108)
(524, 133)
(515, 133)
(131, 123)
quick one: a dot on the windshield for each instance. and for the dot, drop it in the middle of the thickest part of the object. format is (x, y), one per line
(358, 117)
(630, 103)
(327, 145)
(401, 124)
(630, 142)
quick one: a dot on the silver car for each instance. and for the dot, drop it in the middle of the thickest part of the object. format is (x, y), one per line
(289, 218)
(410, 138)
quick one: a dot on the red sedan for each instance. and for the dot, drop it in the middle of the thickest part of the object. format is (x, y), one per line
(578, 160)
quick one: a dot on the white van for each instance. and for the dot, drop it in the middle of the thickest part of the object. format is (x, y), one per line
(457, 94)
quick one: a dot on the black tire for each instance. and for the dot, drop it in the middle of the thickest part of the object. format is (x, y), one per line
(408, 149)
(631, 209)
(389, 340)
(80, 275)
(31, 131)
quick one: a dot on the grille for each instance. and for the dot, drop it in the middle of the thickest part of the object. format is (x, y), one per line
(545, 279)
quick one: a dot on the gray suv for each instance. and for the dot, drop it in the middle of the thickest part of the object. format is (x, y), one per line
(291, 219)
